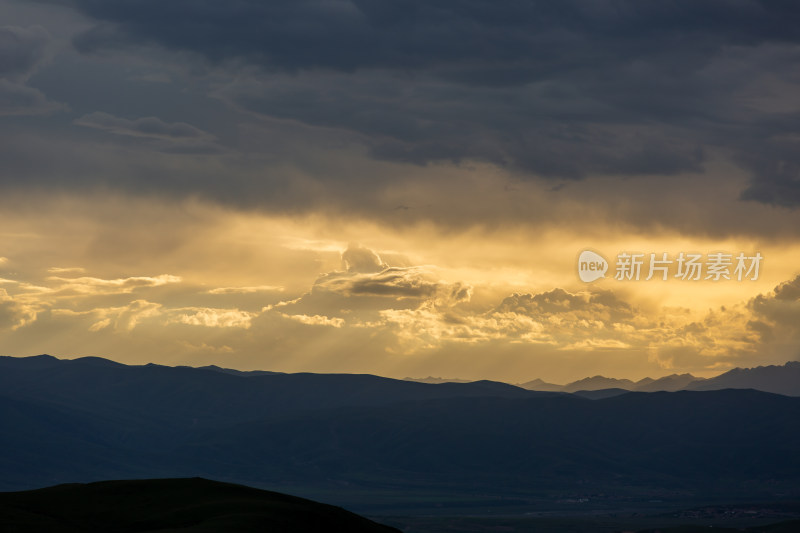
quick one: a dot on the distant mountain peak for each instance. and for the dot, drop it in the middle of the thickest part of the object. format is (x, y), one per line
(436, 380)
(779, 379)
(234, 372)
(598, 383)
(96, 361)
(540, 385)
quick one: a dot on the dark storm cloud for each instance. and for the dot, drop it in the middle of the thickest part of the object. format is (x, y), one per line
(776, 163)
(478, 41)
(22, 50)
(177, 137)
(559, 89)
(549, 129)
(152, 127)
(17, 99)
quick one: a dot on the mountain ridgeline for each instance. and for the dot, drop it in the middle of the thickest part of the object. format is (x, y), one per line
(783, 379)
(369, 443)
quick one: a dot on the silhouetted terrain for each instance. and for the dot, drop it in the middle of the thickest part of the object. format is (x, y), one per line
(600, 394)
(192, 397)
(598, 383)
(728, 519)
(433, 380)
(541, 385)
(376, 443)
(792, 526)
(186, 505)
(196, 505)
(778, 379)
(783, 379)
(671, 383)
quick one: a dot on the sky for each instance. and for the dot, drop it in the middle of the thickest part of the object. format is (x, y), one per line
(401, 187)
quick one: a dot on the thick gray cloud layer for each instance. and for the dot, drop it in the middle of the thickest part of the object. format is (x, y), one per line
(560, 89)
(22, 50)
(150, 127)
(478, 41)
(178, 137)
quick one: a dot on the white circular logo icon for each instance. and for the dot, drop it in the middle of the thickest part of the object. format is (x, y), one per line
(591, 266)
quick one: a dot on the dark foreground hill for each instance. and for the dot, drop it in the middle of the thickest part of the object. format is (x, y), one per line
(187, 505)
